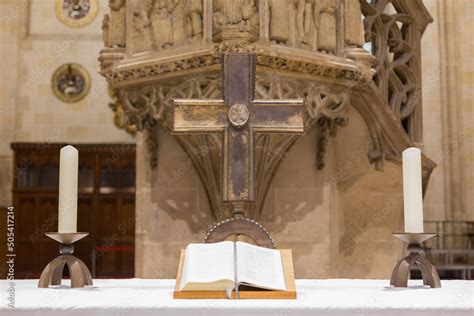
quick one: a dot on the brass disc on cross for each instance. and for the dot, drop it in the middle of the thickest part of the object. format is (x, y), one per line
(238, 115)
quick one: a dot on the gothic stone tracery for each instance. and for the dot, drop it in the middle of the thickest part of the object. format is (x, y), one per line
(394, 32)
(146, 105)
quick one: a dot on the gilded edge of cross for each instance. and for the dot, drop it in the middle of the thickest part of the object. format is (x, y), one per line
(238, 116)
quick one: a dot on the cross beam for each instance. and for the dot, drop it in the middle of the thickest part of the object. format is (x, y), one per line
(238, 116)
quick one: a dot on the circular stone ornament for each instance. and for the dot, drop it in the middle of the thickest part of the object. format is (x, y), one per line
(238, 115)
(70, 82)
(76, 13)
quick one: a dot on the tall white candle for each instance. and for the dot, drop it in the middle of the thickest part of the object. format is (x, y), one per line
(68, 178)
(412, 190)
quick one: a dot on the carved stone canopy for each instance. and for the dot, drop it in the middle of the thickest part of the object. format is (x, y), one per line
(156, 52)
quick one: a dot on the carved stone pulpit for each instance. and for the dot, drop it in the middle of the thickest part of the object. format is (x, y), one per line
(333, 195)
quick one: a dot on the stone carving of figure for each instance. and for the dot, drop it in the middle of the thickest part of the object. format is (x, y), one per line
(304, 20)
(231, 10)
(178, 11)
(194, 18)
(250, 16)
(240, 14)
(116, 24)
(326, 25)
(279, 21)
(142, 35)
(141, 20)
(227, 12)
(162, 25)
(354, 26)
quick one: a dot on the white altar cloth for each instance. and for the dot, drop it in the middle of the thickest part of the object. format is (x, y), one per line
(315, 297)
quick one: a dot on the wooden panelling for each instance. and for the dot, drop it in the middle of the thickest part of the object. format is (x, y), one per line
(106, 207)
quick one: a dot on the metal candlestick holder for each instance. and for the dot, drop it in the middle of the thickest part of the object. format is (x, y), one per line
(53, 272)
(416, 257)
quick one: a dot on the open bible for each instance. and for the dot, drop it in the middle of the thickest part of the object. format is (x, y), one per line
(220, 266)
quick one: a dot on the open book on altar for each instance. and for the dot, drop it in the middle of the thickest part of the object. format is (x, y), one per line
(211, 270)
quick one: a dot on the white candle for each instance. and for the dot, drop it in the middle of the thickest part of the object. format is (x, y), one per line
(412, 190)
(68, 173)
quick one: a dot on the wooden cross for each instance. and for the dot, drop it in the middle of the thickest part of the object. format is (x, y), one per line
(238, 117)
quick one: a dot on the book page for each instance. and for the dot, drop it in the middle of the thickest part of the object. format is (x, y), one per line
(260, 267)
(205, 263)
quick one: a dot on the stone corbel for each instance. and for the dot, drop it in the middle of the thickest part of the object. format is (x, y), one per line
(152, 145)
(143, 109)
(142, 106)
(120, 119)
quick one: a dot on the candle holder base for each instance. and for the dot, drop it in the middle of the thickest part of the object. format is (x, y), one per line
(53, 272)
(416, 257)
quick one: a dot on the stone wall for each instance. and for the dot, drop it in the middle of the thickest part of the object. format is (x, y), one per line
(47, 45)
(34, 44)
(448, 64)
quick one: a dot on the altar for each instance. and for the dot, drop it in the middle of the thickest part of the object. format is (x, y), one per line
(315, 297)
